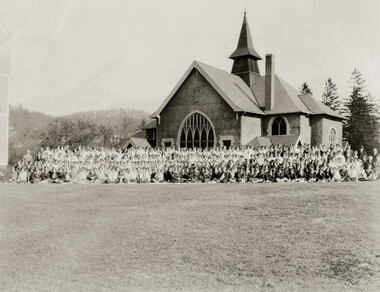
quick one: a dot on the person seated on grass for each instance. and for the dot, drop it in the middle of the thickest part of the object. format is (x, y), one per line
(82, 176)
(300, 174)
(132, 175)
(175, 178)
(368, 166)
(55, 176)
(91, 176)
(153, 175)
(231, 173)
(240, 175)
(14, 175)
(168, 175)
(343, 172)
(255, 175)
(375, 174)
(218, 172)
(184, 175)
(112, 176)
(336, 177)
(352, 174)
(159, 175)
(312, 173)
(22, 175)
(35, 175)
(74, 172)
(145, 175)
(124, 176)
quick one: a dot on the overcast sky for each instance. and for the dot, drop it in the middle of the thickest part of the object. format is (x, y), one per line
(78, 55)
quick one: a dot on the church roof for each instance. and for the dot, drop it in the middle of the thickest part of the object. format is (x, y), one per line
(274, 140)
(139, 134)
(318, 107)
(286, 99)
(138, 142)
(285, 139)
(245, 44)
(151, 125)
(241, 98)
(229, 86)
(259, 141)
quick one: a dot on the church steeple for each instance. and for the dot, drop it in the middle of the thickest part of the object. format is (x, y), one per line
(245, 56)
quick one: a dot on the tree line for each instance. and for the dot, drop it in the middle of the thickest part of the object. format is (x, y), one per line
(360, 109)
(107, 128)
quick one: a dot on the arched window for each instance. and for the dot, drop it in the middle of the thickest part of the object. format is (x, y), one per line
(332, 137)
(279, 126)
(197, 132)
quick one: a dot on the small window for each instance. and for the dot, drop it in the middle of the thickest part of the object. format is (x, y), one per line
(279, 127)
(151, 134)
(332, 137)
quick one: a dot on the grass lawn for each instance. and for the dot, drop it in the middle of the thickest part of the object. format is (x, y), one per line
(267, 237)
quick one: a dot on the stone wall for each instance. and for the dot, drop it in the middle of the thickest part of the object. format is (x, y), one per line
(327, 125)
(196, 94)
(316, 130)
(293, 121)
(320, 127)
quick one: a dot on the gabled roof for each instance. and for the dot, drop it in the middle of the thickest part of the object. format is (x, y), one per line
(259, 141)
(139, 134)
(229, 86)
(245, 44)
(138, 142)
(285, 139)
(318, 107)
(241, 98)
(151, 125)
(286, 99)
(274, 140)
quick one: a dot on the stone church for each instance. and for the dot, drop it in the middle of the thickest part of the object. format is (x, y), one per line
(210, 107)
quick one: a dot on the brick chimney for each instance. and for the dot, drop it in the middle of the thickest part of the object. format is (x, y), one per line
(269, 82)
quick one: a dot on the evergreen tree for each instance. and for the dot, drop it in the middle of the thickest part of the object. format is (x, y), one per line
(305, 89)
(330, 96)
(362, 124)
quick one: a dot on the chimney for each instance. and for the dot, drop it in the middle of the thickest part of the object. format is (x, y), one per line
(269, 82)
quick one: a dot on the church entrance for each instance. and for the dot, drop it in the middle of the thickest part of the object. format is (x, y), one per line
(196, 131)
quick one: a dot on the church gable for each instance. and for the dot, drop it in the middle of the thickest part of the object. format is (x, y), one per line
(196, 94)
(230, 87)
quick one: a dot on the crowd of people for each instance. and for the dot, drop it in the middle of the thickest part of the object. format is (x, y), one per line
(302, 163)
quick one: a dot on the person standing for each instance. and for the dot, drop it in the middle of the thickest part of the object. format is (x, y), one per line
(362, 153)
(27, 158)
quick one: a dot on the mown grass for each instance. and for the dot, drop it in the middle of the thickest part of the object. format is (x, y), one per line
(263, 237)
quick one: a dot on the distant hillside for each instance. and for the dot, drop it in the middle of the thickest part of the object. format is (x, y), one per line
(21, 118)
(122, 121)
(28, 129)
(105, 114)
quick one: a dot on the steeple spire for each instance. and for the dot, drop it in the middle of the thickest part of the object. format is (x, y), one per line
(245, 56)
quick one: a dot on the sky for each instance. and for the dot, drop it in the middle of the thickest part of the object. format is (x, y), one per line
(78, 55)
